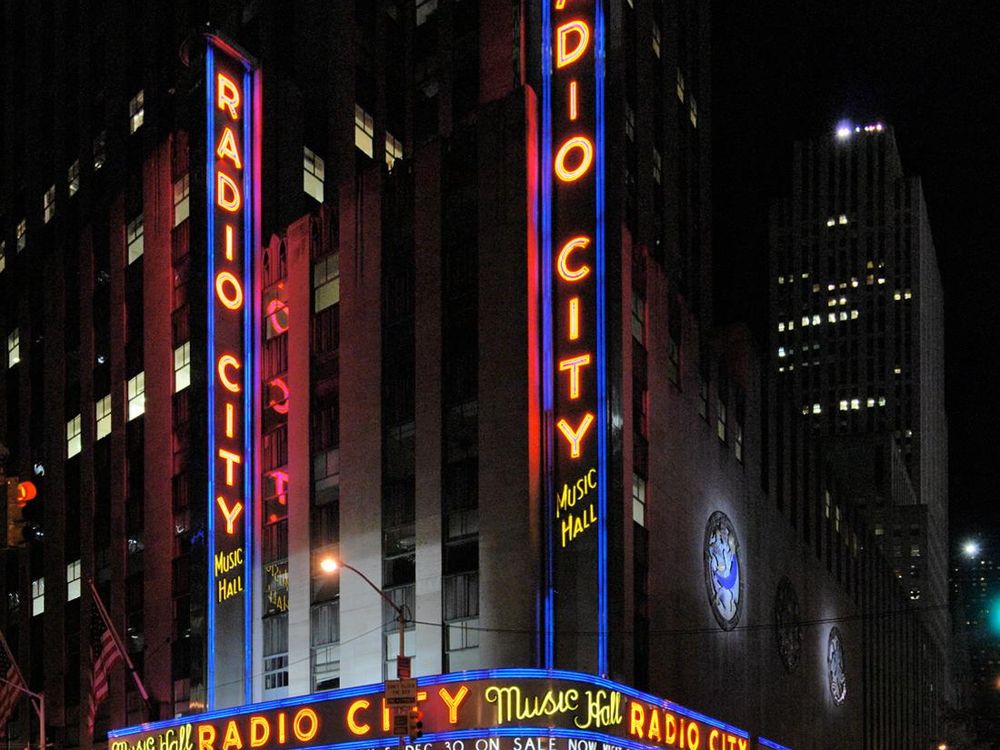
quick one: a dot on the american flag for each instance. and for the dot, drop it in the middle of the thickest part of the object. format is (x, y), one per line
(10, 689)
(104, 652)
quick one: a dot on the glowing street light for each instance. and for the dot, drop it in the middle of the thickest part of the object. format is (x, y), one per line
(970, 549)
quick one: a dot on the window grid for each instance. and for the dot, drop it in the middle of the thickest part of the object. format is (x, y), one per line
(182, 367)
(38, 597)
(49, 204)
(182, 199)
(136, 111)
(13, 347)
(364, 131)
(135, 239)
(326, 282)
(73, 178)
(313, 174)
(102, 411)
(74, 436)
(393, 150)
(21, 234)
(136, 396)
(73, 581)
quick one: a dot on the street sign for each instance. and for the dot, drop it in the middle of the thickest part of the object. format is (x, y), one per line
(400, 692)
(403, 667)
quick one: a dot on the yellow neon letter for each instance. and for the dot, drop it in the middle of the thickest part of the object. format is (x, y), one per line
(574, 318)
(572, 100)
(573, 437)
(453, 702)
(234, 300)
(303, 735)
(352, 724)
(586, 149)
(564, 55)
(573, 364)
(260, 731)
(225, 362)
(229, 95)
(562, 266)
(227, 148)
(229, 242)
(206, 737)
(227, 194)
(230, 421)
(233, 739)
(230, 514)
(230, 458)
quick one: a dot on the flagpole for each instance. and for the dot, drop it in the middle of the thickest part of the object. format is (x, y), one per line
(121, 647)
(37, 700)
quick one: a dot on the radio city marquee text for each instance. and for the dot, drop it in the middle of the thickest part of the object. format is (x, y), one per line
(536, 706)
(574, 312)
(228, 309)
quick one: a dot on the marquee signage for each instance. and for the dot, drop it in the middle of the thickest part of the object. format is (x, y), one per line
(573, 335)
(504, 709)
(231, 174)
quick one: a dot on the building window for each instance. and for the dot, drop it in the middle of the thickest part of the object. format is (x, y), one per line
(102, 411)
(182, 199)
(680, 85)
(657, 166)
(136, 112)
(656, 38)
(73, 581)
(100, 150)
(364, 131)
(638, 318)
(37, 597)
(326, 282)
(425, 9)
(49, 204)
(393, 150)
(629, 122)
(74, 439)
(694, 110)
(914, 550)
(638, 499)
(721, 423)
(134, 235)
(136, 396)
(312, 174)
(21, 234)
(73, 178)
(13, 348)
(275, 652)
(3, 256)
(827, 503)
(325, 633)
(738, 444)
(182, 367)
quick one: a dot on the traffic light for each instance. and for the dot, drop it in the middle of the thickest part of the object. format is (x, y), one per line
(19, 494)
(415, 723)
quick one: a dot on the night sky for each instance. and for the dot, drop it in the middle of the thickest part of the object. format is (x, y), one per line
(785, 71)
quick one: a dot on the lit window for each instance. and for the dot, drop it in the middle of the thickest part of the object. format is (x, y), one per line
(831, 222)
(182, 199)
(855, 404)
(393, 150)
(843, 315)
(842, 219)
(136, 392)
(13, 348)
(37, 597)
(656, 38)
(897, 370)
(639, 318)
(49, 204)
(134, 235)
(694, 110)
(629, 122)
(102, 412)
(781, 351)
(817, 409)
(827, 503)
(879, 531)
(21, 234)
(425, 9)
(3, 255)
(312, 174)
(836, 518)
(73, 178)
(897, 295)
(805, 320)
(182, 367)
(100, 150)
(326, 282)
(680, 85)
(805, 409)
(791, 325)
(831, 318)
(638, 499)
(870, 402)
(781, 279)
(364, 131)
(781, 327)
(907, 294)
(843, 405)
(73, 581)
(74, 436)
(657, 165)
(881, 400)
(854, 314)
(914, 550)
(136, 112)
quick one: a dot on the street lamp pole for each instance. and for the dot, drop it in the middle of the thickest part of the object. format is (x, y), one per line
(332, 565)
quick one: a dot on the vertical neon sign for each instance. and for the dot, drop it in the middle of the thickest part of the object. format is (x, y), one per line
(233, 164)
(573, 333)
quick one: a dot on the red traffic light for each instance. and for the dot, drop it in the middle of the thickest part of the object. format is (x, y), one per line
(26, 491)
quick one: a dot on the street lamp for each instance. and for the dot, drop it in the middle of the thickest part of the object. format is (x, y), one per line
(331, 565)
(970, 548)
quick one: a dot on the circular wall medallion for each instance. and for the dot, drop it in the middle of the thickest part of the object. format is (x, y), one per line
(788, 628)
(723, 574)
(835, 664)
